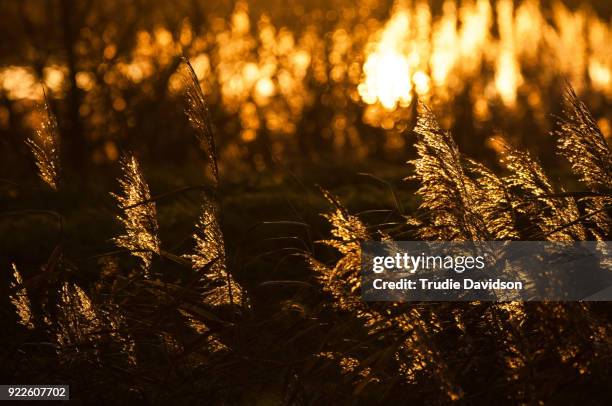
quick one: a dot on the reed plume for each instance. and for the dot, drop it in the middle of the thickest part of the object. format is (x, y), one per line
(534, 199)
(582, 143)
(20, 300)
(209, 257)
(77, 325)
(343, 280)
(493, 201)
(45, 146)
(139, 216)
(460, 198)
(198, 114)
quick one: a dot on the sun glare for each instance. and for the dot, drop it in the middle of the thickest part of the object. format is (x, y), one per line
(387, 68)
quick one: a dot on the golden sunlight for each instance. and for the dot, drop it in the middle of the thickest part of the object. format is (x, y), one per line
(387, 68)
(464, 38)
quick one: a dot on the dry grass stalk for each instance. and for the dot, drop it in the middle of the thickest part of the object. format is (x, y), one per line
(199, 116)
(139, 220)
(209, 257)
(77, 325)
(531, 197)
(582, 143)
(19, 298)
(45, 147)
(461, 199)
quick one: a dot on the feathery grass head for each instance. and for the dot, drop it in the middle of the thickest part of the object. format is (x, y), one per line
(345, 227)
(139, 214)
(493, 201)
(197, 112)
(526, 172)
(533, 197)
(583, 145)
(450, 197)
(210, 247)
(209, 257)
(348, 231)
(19, 299)
(45, 148)
(77, 321)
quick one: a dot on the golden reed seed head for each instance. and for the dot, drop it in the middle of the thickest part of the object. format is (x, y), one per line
(139, 216)
(45, 146)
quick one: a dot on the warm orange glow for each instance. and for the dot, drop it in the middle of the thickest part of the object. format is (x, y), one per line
(461, 40)
(264, 88)
(421, 82)
(600, 60)
(497, 51)
(387, 68)
(507, 69)
(18, 82)
(21, 83)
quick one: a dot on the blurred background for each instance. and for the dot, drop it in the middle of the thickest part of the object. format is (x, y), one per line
(295, 82)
